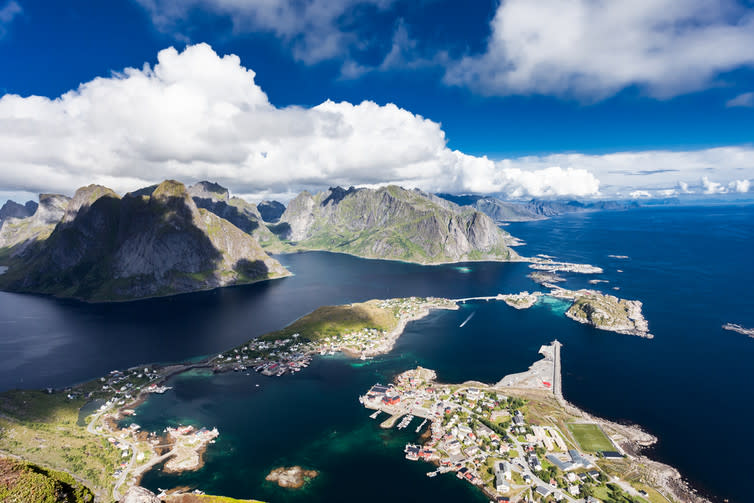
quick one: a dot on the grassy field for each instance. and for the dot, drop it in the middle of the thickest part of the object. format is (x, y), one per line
(43, 429)
(204, 498)
(22, 482)
(590, 437)
(332, 321)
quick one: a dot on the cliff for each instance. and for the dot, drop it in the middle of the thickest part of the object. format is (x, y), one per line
(392, 223)
(11, 209)
(244, 215)
(152, 242)
(271, 211)
(17, 234)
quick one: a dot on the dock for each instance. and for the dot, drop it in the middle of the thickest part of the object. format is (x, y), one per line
(418, 428)
(375, 414)
(390, 422)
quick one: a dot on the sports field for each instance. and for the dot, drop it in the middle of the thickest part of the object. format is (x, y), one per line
(590, 437)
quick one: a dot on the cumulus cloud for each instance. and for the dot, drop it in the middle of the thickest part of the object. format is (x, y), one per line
(592, 49)
(742, 100)
(195, 115)
(711, 187)
(740, 186)
(316, 30)
(8, 13)
(684, 188)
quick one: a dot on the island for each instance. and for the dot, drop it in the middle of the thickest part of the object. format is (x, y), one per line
(519, 440)
(605, 312)
(293, 477)
(734, 327)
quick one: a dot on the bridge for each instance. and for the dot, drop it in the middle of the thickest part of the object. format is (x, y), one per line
(490, 297)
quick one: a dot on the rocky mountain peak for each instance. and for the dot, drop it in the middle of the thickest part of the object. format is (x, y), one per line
(209, 190)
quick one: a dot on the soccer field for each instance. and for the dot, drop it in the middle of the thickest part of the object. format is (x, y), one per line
(590, 437)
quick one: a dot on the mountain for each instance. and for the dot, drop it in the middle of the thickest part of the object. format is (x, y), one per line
(151, 242)
(17, 234)
(271, 211)
(392, 223)
(535, 209)
(244, 215)
(12, 209)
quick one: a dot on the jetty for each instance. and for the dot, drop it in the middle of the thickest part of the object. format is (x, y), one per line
(418, 428)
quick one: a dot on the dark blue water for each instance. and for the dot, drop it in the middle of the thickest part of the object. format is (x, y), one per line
(52, 342)
(690, 385)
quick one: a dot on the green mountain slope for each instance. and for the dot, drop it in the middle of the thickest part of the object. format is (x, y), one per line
(392, 223)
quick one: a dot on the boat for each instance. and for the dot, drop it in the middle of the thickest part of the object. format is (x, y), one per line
(432, 474)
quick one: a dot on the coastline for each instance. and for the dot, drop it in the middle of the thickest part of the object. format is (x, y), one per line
(640, 471)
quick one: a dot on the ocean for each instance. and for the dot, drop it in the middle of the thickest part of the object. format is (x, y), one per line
(690, 266)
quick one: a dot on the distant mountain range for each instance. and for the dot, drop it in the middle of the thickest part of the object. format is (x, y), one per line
(535, 209)
(167, 239)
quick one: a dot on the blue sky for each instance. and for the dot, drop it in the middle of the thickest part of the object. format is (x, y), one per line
(525, 97)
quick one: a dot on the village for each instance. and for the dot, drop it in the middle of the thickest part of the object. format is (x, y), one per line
(293, 352)
(484, 436)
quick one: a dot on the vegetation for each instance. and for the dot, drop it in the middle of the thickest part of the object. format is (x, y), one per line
(43, 428)
(22, 482)
(590, 437)
(332, 321)
(204, 498)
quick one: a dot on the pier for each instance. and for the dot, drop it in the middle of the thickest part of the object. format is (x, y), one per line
(418, 428)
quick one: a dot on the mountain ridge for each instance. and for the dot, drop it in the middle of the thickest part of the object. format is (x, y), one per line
(392, 223)
(145, 244)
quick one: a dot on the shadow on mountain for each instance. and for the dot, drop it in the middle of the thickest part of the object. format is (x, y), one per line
(229, 212)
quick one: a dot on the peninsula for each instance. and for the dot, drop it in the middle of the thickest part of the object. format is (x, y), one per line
(519, 440)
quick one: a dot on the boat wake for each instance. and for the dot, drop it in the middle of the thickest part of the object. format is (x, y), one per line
(467, 320)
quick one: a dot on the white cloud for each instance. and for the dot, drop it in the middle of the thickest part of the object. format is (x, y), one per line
(684, 187)
(638, 194)
(315, 29)
(742, 100)
(8, 13)
(196, 116)
(740, 186)
(592, 49)
(711, 187)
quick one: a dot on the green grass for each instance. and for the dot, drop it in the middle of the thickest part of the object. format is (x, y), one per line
(44, 429)
(590, 437)
(22, 482)
(204, 498)
(333, 321)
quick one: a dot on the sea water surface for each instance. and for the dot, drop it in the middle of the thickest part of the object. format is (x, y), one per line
(690, 385)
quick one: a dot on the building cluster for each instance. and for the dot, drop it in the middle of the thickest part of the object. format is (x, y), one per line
(485, 438)
(277, 357)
